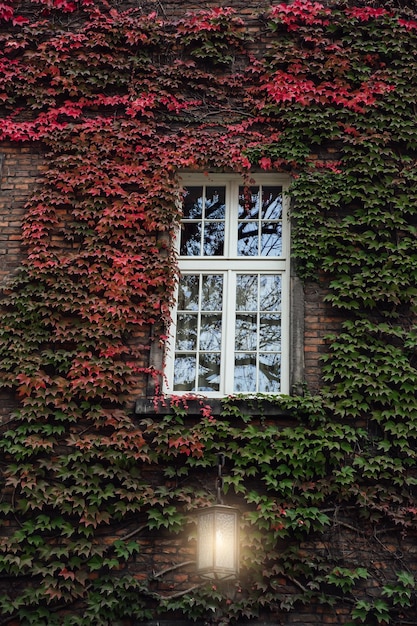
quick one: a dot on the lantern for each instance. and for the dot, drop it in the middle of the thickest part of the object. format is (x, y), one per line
(218, 537)
(217, 542)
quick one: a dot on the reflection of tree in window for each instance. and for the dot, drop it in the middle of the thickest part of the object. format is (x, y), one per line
(184, 372)
(260, 221)
(245, 332)
(269, 367)
(270, 292)
(270, 332)
(266, 370)
(247, 292)
(187, 331)
(188, 293)
(211, 293)
(199, 333)
(203, 222)
(209, 373)
(210, 332)
(258, 333)
(245, 373)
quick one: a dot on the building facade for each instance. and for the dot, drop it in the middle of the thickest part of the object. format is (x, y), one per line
(207, 247)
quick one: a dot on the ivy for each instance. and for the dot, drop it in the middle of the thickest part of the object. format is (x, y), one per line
(119, 102)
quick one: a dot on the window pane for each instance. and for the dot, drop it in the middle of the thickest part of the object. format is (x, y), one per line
(212, 292)
(270, 333)
(188, 293)
(193, 203)
(203, 221)
(271, 239)
(199, 333)
(184, 373)
(271, 203)
(186, 331)
(249, 203)
(209, 372)
(210, 332)
(213, 239)
(247, 239)
(247, 292)
(245, 333)
(191, 239)
(257, 333)
(215, 203)
(270, 292)
(245, 373)
(248, 226)
(269, 373)
(260, 221)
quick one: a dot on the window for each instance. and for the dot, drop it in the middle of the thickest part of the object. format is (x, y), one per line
(230, 328)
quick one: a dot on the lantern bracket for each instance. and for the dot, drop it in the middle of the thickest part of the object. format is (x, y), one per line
(219, 481)
(218, 536)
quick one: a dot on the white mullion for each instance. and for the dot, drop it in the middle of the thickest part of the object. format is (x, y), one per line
(285, 224)
(168, 380)
(259, 224)
(232, 198)
(245, 265)
(258, 320)
(203, 220)
(229, 287)
(197, 348)
(285, 332)
(229, 315)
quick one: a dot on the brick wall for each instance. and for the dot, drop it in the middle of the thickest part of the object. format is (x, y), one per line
(20, 169)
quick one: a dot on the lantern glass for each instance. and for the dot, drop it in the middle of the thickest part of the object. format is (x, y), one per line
(217, 542)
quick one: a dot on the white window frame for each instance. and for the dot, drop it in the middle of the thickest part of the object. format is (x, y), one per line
(230, 266)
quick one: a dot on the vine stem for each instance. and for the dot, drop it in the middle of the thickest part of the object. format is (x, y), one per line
(178, 594)
(172, 568)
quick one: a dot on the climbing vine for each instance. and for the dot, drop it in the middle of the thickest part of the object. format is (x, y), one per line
(119, 102)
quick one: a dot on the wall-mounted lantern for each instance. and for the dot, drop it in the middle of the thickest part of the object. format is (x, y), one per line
(218, 537)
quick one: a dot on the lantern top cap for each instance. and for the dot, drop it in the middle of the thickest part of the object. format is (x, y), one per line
(220, 507)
